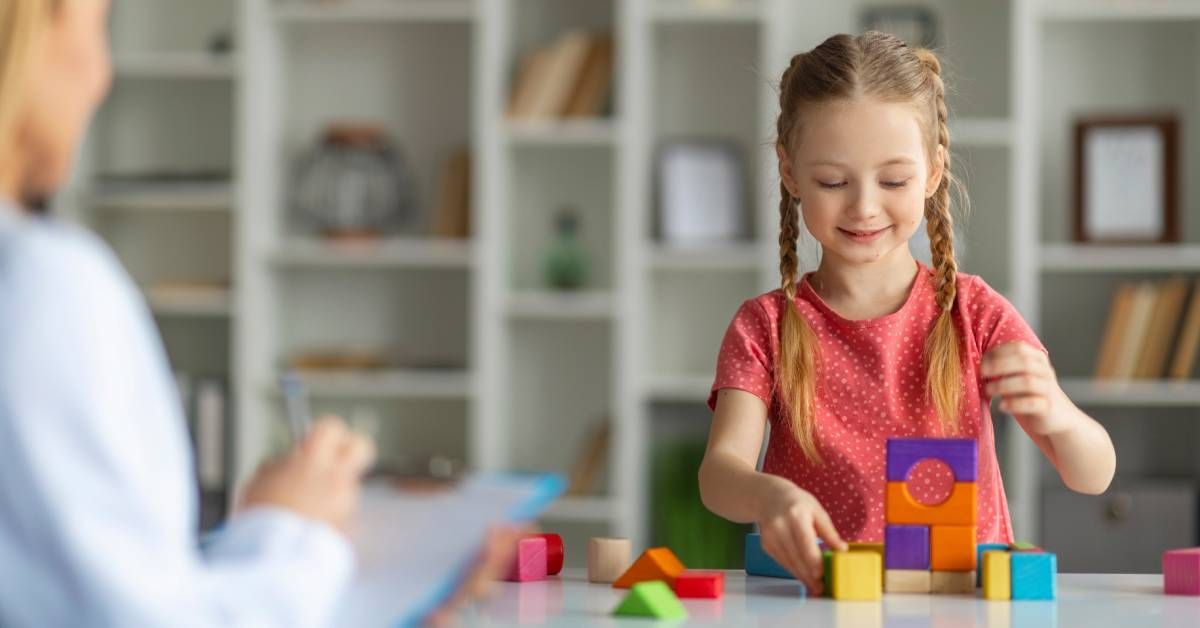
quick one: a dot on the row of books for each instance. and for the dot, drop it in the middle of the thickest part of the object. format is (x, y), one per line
(571, 78)
(1152, 331)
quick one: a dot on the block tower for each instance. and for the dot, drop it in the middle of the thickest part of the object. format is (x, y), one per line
(930, 548)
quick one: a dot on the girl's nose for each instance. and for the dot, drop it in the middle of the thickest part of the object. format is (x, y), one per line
(863, 203)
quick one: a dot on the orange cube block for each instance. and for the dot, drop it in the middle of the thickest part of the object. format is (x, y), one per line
(657, 563)
(958, 510)
(952, 548)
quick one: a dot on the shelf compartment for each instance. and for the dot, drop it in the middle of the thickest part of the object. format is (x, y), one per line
(383, 254)
(373, 11)
(562, 306)
(387, 384)
(1084, 258)
(175, 65)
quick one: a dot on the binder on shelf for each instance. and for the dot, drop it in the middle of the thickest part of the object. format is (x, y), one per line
(1189, 337)
(591, 92)
(452, 215)
(1114, 331)
(569, 79)
(1168, 306)
(210, 433)
(1134, 338)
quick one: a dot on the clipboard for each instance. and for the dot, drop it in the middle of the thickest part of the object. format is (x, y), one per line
(415, 549)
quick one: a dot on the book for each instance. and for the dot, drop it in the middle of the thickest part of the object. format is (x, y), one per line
(553, 85)
(530, 72)
(210, 434)
(1114, 330)
(1133, 340)
(452, 215)
(1168, 309)
(582, 476)
(1184, 359)
(590, 94)
(415, 548)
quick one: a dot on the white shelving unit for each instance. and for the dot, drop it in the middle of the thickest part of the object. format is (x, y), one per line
(528, 373)
(1078, 58)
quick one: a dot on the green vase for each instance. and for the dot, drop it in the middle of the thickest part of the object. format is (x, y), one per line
(566, 263)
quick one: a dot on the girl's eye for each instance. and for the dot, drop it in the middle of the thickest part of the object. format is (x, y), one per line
(831, 186)
(894, 184)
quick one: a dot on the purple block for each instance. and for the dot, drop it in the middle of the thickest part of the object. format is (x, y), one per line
(906, 547)
(960, 454)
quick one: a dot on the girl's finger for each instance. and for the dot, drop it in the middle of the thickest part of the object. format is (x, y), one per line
(782, 548)
(828, 532)
(1016, 385)
(810, 553)
(1027, 404)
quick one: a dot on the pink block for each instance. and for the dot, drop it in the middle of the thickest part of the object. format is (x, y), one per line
(1181, 571)
(530, 562)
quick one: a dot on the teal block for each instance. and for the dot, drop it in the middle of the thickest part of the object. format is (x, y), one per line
(980, 548)
(1034, 576)
(759, 563)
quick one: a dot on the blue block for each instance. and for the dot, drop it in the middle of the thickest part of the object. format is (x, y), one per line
(980, 548)
(1034, 576)
(758, 563)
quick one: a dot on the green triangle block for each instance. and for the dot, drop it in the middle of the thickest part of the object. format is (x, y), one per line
(652, 598)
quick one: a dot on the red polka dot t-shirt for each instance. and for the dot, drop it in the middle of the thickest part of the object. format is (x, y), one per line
(871, 386)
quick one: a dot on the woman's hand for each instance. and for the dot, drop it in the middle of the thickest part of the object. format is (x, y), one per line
(493, 564)
(790, 526)
(318, 479)
(1028, 388)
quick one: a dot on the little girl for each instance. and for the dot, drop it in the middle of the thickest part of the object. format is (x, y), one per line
(873, 344)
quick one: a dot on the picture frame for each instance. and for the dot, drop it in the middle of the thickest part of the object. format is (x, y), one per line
(1126, 179)
(701, 192)
(917, 25)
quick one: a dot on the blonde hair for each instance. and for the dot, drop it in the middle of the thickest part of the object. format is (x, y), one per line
(880, 66)
(22, 23)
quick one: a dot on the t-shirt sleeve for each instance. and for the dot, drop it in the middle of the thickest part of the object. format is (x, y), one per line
(997, 321)
(747, 356)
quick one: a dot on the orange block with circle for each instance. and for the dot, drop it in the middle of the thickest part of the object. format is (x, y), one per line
(952, 548)
(657, 563)
(958, 509)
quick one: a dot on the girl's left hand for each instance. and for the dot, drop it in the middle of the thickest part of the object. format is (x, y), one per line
(1028, 387)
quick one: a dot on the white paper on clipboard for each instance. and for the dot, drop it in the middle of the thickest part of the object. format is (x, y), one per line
(414, 549)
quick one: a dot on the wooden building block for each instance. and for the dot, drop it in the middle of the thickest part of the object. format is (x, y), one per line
(826, 572)
(856, 575)
(906, 547)
(958, 510)
(652, 598)
(997, 575)
(658, 563)
(555, 552)
(1181, 571)
(960, 454)
(758, 562)
(701, 584)
(907, 580)
(530, 561)
(1034, 575)
(1022, 546)
(608, 558)
(980, 548)
(952, 548)
(952, 582)
(869, 547)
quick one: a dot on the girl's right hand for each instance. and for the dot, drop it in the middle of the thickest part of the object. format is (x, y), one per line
(790, 525)
(318, 479)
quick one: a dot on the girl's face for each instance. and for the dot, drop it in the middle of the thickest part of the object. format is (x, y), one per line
(861, 172)
(69, 76)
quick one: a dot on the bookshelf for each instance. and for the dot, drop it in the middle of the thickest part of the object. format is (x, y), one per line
(1089, 54)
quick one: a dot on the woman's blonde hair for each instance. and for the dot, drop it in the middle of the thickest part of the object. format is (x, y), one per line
(22, 22)
(883, 67)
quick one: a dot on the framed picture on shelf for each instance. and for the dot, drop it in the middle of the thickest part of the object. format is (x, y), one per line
(916, 25)
(1126, 179)
(701, 193)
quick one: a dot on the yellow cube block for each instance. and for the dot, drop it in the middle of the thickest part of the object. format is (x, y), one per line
(997, 575)
(857, 575)
(868, 547)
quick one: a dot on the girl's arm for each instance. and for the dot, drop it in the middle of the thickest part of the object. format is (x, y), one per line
(790, 519)
(1078, 446)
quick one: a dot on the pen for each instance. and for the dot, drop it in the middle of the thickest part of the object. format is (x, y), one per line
(295, 401)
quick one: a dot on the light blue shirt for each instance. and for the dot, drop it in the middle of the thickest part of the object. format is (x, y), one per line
(98, 506)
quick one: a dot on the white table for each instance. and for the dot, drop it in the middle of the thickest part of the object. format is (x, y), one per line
(1133, 601)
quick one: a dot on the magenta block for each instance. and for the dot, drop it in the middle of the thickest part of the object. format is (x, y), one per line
(906, 547)
(530, 562)
(1181, 571)
(960, 454)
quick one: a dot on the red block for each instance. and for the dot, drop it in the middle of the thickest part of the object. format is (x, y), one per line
(1181, 571)
(554, 552)
(705, 584)
(530, 562)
